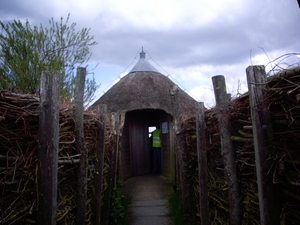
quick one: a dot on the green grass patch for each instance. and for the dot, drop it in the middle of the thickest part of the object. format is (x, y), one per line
(176, 209)
(119, 206)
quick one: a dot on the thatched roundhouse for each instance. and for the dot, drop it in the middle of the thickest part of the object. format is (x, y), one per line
(147, 98)
(145, 90)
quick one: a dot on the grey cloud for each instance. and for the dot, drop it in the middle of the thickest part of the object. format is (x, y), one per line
(227, 40)
(222, 41)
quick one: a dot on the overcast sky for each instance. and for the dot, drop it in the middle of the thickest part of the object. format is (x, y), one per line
(190, 40)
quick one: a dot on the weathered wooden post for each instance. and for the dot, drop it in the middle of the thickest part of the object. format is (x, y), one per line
(112, 169)
(180, 145)
(202, 163)
(99, 164)
(119, 128)
(222, 103)
(188, 196)
(48, 147)
(80, 144)
(177, 130)
(262, 136)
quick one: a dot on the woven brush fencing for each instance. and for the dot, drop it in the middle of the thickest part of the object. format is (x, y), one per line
(283, 96)
(19, 127)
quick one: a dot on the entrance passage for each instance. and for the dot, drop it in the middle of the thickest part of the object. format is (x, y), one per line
(139, 147)
(137, 155)
(141, 154)
(149, 200)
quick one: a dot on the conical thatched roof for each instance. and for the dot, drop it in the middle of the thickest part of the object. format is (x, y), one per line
(145, 90)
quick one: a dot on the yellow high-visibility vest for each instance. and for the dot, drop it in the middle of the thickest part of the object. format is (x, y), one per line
(156, 138)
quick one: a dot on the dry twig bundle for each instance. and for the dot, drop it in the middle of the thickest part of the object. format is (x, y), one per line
(19, 115)
(283, 97)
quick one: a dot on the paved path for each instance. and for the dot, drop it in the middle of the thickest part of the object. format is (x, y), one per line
(149, 198)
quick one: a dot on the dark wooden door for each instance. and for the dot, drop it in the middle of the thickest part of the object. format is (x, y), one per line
(139, 149)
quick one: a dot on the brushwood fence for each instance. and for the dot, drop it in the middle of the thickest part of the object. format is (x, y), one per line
(262, 133)
(44, 175)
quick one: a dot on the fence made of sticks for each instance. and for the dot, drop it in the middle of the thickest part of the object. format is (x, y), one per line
(48, 176)
(242, 157)
(239, 160)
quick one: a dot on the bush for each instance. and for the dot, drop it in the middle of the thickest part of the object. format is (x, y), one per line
(177, 210)
(119, 206)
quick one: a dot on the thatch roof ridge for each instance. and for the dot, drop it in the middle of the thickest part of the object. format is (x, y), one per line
(145, 90)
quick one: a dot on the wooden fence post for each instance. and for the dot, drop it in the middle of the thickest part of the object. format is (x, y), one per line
(99, 164)
(180, 145)
(177, 129)
(80, 144)
(112, 169)
(202, 163)
(118, 130)
(222, 103)
(262, 136)
(48, 147)
(187, 191)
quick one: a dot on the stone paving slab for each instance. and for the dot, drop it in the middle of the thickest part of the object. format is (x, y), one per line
(153, 220)
(149, 211)
(149, 200)
(143, 195)
(150, 203)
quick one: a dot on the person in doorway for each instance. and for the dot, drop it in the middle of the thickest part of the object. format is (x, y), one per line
(156, 145)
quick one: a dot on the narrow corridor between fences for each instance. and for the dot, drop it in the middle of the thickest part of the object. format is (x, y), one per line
(149, 200)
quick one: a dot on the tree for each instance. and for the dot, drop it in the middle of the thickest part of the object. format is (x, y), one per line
(26, 51)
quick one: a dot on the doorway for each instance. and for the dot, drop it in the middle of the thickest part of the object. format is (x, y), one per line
(140, 154)
(141, 125)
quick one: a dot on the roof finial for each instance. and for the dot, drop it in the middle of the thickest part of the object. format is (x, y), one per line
(143, 65)
(142, 54)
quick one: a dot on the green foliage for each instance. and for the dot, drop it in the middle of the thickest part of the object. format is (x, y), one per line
(119, 206)
(26, 51)
(177, 210)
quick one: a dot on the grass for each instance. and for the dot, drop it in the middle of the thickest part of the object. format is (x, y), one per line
(119, 206)
(176, 209)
